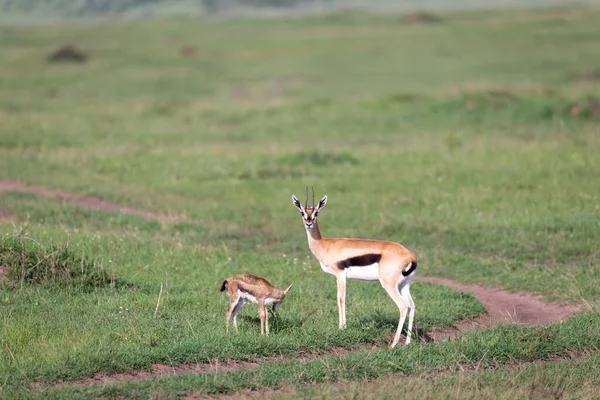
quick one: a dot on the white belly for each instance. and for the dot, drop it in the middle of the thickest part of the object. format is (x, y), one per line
(248, 297)
(326, 270)
(367, 273)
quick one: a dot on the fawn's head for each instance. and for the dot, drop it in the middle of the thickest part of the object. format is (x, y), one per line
(277, 304)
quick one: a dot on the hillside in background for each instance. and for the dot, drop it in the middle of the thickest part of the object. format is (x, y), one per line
(39, 10)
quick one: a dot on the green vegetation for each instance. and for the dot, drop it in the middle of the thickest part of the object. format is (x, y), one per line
(473, 141)
(567, 379)
(28, 262)
(65, 332)
(482, 350)
(34, 10)
(92, 8)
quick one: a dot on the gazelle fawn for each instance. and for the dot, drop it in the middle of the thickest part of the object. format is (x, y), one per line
(244, 288)
(392, 264)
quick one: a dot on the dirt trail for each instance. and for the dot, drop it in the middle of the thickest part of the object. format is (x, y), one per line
(162, 370)
(502, 308)
(90, 202)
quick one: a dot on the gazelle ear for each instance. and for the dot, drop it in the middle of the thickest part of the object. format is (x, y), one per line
(287, 289)
(322, 203)
(297, 203)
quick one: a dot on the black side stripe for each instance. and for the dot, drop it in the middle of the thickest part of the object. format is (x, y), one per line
(410, 268)
(359, 261)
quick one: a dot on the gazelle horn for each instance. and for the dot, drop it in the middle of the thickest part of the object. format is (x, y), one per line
(306, 202)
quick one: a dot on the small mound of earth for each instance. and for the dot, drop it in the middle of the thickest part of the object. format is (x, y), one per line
(421, 18)
(68, 53)
(587, 76)
(189, 51)
(587, 109)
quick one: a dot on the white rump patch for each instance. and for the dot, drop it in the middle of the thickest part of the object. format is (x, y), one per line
(366, 273)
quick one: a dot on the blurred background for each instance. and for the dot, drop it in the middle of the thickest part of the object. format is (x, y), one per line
(155, 146)
(31, 10)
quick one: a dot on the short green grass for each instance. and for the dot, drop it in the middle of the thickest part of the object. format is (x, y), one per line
(482, 350)
(566, 379)
(55, 332)
(473, 141)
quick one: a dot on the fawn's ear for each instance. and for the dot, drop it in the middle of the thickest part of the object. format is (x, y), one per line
(287, 289)
(297, 203)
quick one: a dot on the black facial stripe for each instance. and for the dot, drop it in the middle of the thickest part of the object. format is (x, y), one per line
(359, 261)
(410, 268)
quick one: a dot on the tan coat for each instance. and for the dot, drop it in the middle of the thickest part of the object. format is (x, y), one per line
(245, 288)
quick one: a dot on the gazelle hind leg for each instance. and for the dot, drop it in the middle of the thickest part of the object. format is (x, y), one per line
(341, 299)
(405, 293)
(236, 310)
(392, 291)
(232, 306)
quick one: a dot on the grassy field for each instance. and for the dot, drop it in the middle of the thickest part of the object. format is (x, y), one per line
(473, 141)
(34, 11)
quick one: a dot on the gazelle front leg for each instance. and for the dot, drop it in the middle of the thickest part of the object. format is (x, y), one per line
(266, 320)
(341, 298)
(261, 313)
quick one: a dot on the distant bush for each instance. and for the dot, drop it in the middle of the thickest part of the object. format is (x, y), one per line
(217, 5)
(74, 7)
(318, 158)
(26, 262)
(421, 18)
(295, 165)
(89, 8)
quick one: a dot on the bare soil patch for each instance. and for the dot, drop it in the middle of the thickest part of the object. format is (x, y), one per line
(90, 202)
(421, 18)
(502, 307)
(160, 370)
(189, 51)
(586, 76)
(6, 217)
